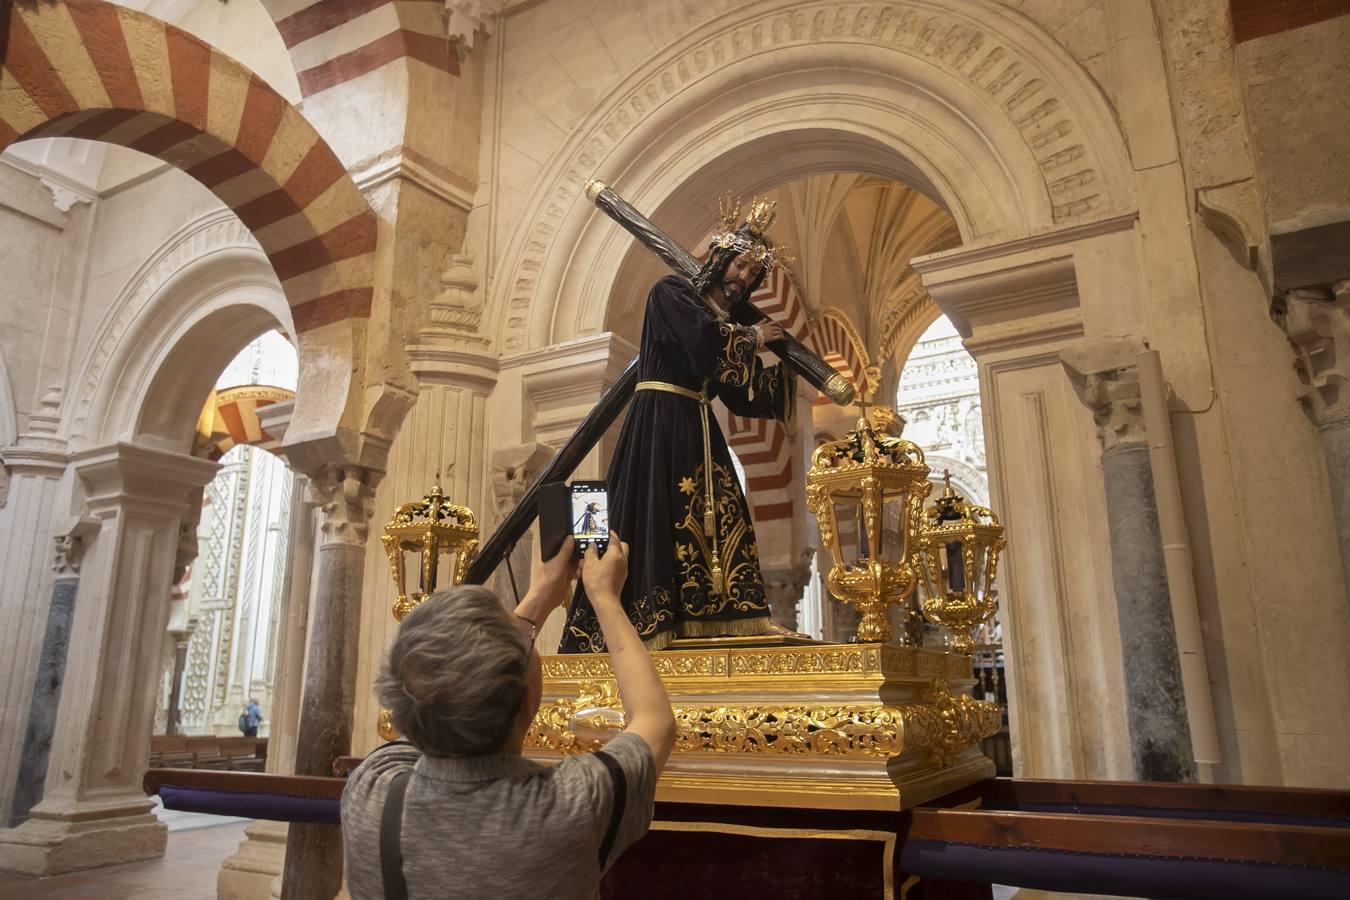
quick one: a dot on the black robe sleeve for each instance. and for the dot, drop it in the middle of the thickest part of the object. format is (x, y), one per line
(720, 351)
(771, 394)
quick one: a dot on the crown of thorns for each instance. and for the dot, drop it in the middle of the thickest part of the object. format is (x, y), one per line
(749, 236)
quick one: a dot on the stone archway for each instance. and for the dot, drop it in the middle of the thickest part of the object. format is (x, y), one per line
(968, 102)
(91, 69)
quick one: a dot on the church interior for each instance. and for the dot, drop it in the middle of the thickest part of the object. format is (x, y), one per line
(305, 300)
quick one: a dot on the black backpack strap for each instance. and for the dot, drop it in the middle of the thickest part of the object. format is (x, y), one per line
(619, 783)
(391, 849)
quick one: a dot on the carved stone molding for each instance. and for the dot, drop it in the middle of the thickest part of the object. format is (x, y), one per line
(211, 233)
(345, 496)
(1059, 114)
(1317, 322)
(1107, 381)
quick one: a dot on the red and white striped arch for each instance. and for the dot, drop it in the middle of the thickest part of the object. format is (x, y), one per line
(762, 445)
(90, 69)
(838, 343)
(332, 42)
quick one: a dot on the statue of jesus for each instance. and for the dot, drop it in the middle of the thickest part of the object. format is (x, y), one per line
(674, 497)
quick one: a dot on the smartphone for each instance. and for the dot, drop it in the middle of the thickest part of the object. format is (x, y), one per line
(589, 512)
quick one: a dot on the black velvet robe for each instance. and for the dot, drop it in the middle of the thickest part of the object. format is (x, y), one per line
(656, 481)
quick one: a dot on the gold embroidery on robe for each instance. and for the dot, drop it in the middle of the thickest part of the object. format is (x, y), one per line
(737, 362)
(739, 555)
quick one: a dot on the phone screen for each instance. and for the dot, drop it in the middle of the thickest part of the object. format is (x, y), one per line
(590, 512)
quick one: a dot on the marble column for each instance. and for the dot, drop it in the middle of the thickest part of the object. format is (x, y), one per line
(1107, 380)
(1317, 321)
(783, 588)
(46, 696)
(93, 812)
(35, 465)
(254, 871)
(344, 496)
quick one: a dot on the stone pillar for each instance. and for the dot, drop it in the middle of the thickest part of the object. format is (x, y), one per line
(343, 494)
(35, 466)
(93, 812)
(1107, 380)
(254, 871)
(1317, 321)
(1017, 305)
(783, 588)
(37, 742)
(513, 469)
(180, 647)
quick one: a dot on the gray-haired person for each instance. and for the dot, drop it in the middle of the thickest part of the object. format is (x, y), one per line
(463, 682)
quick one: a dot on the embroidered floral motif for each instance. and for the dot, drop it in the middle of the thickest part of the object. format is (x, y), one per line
(687, 486)
(647, 614)
(744, 592)
(737, 362)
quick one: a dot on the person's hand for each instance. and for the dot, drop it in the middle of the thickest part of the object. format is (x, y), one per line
(768, 332)
(604, 576)
(552, 578)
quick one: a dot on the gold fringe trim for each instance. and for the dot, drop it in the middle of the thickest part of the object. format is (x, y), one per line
(723, 627)
(660, 641)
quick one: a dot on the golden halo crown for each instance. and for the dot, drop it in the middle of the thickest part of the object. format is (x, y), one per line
(749, 236)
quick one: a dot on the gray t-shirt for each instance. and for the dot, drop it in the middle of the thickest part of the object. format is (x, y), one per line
(495, 826)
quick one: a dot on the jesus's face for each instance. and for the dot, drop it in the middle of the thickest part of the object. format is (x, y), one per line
(741, 273)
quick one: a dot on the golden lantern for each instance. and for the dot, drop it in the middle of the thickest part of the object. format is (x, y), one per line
(867, 494)
(958, 550)
(426, 530)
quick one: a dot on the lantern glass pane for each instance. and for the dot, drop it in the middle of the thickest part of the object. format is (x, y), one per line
(954, 564)
(849, 520)
(412, 569)
(979, 576)
(930, 572)
(894, 527)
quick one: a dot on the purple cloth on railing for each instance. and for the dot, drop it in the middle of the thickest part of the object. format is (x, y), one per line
(1118, 874)
(1214, 815)
(252, 805)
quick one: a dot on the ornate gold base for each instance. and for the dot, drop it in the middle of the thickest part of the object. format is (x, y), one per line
(773, 721)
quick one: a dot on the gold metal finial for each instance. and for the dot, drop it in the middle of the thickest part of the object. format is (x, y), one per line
(762, 213)
(729, 210)
(594, 187)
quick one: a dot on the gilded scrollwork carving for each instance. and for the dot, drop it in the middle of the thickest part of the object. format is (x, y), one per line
(943, 724)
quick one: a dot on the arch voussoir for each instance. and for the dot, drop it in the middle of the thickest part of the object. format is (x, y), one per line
(89, 69)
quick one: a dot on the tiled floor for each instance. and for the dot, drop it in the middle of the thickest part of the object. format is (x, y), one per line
(197, 847)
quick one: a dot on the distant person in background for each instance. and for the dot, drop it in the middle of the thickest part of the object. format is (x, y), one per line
(252, 717)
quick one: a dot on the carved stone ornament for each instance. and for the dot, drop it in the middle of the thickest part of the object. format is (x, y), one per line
(345, 496)
(458, 308)
(464, 18)
(69, 555)
(1107, 381)
(1317, 322)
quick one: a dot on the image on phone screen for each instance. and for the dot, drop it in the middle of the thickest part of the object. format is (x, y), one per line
(590, 512)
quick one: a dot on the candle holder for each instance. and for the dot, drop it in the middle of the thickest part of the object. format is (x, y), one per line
(867, 493)
(957, 553)
(428, 529)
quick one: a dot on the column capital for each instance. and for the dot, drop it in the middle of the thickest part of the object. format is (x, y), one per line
(345, 496)
(1317, 322)
(1106, 378)
(513, 469)
(70, 547)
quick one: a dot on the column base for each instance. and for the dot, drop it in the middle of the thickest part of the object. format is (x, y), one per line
(253, 872)
(56, 840)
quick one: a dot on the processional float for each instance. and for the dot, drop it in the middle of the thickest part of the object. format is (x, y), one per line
(808, 768)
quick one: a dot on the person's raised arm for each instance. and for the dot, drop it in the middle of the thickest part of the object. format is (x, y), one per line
(549, 585)
(647, 711)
